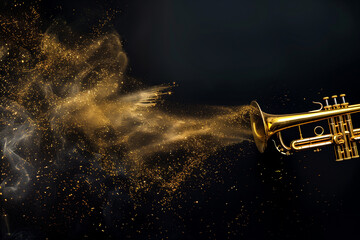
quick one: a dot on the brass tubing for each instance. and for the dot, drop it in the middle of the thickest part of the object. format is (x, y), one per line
(312, 142)
(282, 142)
(347, 154)
(333, 131)
(277, 123)
(351, 130)
(337, 148)
(356, 134)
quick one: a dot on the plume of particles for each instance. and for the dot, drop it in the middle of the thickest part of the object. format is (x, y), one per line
(79, 137)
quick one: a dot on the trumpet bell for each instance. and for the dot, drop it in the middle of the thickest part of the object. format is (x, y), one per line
(258, 127)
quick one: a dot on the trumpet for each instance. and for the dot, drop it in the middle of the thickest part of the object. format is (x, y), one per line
(341, 132)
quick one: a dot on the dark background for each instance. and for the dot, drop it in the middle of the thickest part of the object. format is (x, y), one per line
(285, 54)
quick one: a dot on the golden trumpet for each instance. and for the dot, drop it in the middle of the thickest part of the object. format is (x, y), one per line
(341, 132)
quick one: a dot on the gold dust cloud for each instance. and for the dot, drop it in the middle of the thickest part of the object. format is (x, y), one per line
(68, 106)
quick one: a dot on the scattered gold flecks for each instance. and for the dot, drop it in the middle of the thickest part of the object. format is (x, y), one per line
(75, 124)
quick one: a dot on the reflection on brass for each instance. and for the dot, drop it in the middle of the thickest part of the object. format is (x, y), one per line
(341, 132)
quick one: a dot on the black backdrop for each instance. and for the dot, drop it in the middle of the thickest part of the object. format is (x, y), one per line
(285, 54)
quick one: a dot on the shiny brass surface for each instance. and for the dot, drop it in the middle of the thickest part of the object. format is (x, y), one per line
(341, 132)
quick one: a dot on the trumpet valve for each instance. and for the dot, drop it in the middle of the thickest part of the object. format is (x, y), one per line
(336, 105)
(327, 106)
(344, 103)
(334, 97)
(326, 101)
(343, 97)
